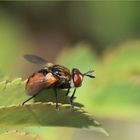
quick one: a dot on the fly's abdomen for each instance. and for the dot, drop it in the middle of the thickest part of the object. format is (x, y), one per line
(38, 82)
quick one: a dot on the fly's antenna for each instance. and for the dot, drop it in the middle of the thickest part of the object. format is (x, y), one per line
(89, 74)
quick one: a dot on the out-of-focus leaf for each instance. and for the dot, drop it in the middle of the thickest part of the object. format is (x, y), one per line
(17, 135)
(81, 57)
(115, 89)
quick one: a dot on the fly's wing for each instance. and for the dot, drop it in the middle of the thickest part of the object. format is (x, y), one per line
(36, 60)
(38, 81)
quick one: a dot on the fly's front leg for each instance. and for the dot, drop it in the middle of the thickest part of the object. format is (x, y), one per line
(72, 97)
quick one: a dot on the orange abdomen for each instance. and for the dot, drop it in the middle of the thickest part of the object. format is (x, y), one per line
(39, 81)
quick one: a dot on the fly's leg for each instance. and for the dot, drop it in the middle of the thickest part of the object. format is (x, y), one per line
(56, 98)
(72, 97)
(30, 98)
(68, 91)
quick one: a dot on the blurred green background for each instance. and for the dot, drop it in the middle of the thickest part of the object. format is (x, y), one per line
(104, 36)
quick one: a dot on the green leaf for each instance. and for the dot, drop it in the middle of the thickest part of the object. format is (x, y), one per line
(45, 114)
(18, 135)
(42, 112)
(12, 92)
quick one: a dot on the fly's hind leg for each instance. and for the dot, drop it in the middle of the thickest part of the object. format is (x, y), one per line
(56, 98)
(30, 98)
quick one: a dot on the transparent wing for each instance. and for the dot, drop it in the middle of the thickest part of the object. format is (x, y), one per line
(35, 59)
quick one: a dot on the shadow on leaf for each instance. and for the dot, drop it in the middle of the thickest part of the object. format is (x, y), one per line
(48, 96)
(45, 114)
